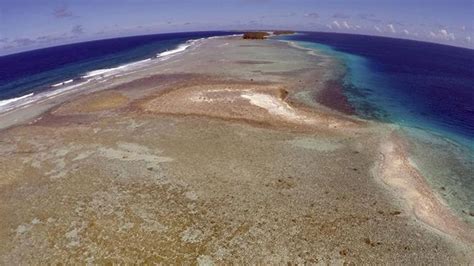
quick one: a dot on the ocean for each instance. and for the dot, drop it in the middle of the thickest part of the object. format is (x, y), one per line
(27, 74)
(424, 89)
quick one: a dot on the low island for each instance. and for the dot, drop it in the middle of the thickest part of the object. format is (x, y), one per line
(256, 35)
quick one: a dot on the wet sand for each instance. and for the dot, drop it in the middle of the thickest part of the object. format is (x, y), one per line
(219, 155)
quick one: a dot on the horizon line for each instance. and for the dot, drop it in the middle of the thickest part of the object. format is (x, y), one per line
(232, 30)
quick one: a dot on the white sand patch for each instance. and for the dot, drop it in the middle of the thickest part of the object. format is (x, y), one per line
(227, 89)
(73, 237)
(131, 124)
(22, 228)
(132, 152)
(200, 98)
(204, 260)
(83, 155)
(208, 96)
(133, 147)
(272, 105)
(131, 156)
(126, 226)
(59, 169)
(191, 235)
(191, 195)
(149, 221)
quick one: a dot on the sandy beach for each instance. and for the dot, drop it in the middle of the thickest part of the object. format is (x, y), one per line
(234, 151)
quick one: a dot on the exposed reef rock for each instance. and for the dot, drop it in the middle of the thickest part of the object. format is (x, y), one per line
(256, 35)
(283, 32)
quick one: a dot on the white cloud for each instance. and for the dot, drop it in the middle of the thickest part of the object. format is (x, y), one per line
(442, 34)
(391, 28)
(341, 25)
(346, 25)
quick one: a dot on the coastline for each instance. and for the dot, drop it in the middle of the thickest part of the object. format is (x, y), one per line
(35, 103)
(212, 138)
(79, 81)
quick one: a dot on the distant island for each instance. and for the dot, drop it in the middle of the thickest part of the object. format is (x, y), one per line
(283, 32)
(261, 35)
(256, 35)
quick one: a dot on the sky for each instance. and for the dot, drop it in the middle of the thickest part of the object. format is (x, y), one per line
(32, 24)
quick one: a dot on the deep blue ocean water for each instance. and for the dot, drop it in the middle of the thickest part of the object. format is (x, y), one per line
(417, 84)
(36, 70)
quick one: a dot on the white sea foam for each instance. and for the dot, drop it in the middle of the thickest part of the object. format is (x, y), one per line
(224, 36)
(106, 72)
(7, 102)
(48, 94)
(62, 83)
(25, 100)
(179, 49)
(10, 104)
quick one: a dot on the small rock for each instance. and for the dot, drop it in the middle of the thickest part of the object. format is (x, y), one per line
(369, 242)
(21, 229)
(191, 235)
(204, 260)
(191, 195)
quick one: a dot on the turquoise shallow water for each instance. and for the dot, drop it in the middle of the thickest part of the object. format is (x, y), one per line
(447, 166)
(424, 105)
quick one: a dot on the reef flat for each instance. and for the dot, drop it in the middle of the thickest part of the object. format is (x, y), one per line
(231, 152)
